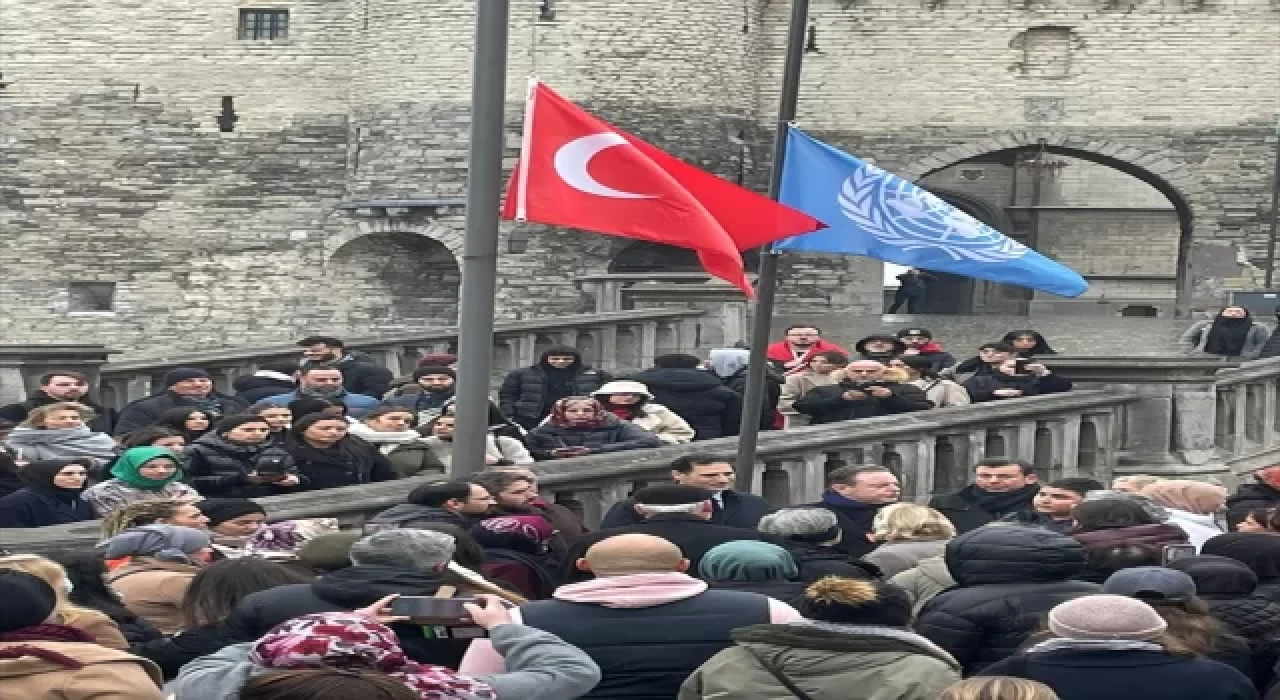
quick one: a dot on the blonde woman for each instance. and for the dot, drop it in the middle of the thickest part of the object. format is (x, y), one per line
(998, 688)
(909, 533)
(59, 431)
(91, 622)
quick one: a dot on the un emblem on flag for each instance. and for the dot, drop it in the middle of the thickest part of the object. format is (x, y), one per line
(901, 215)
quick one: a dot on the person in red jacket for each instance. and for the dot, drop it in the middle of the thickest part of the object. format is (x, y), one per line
(793, 354)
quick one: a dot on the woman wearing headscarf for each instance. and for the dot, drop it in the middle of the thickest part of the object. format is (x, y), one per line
(163, 559)
(1028, 343)
(1260, 551)
(754, 567)
(59, 431)
(51, 495)
(236, 460)
(539, 666)
(140, 474)
(631, 401)
(730, 364)
(328, 457)
(41, 658)
(1193, 506)
(1232, 333)
(579, 426)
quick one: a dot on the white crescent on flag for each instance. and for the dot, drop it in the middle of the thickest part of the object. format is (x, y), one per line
(572, 159)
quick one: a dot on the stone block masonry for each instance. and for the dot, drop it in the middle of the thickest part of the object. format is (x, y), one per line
(113, 167)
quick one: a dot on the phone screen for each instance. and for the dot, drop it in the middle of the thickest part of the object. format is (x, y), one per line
(1174, 552)
(436, 611)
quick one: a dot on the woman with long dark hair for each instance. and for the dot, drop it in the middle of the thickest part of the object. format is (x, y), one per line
(1230, 334)
(327, 457)
(188, 421)
(86, 570)
(1028, 343)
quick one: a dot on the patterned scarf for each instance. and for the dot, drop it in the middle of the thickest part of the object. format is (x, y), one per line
(348, 641)
(560, 420)
(44, 633)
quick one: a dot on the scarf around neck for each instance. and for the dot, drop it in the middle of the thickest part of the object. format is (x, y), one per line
(633, 590)
(1003, 503)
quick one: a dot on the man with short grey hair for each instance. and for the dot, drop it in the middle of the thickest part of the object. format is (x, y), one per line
(407, 562)
(677, 513)
(811, 535)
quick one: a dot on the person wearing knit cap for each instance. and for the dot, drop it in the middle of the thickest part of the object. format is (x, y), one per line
(42, 659)
(675, 512)
(919, 343)
(183, 387)
(853, 636)
(437, 385)
(307, 405)
(328, 552)
(697, 395)
(237, 460)
(233, 517)
(755, 567)
(140, 474)
(162, 561)
(1110, 647)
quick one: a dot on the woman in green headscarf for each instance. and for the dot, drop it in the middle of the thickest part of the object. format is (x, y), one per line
(140, 474)
(753, 566)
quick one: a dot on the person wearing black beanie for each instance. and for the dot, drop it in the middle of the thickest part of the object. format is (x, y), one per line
(437, 386)
(233, 517)
(184, 387)
(236, 460)
(856, 636)
(42, 659)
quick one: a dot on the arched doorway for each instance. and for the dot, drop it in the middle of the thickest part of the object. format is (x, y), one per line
(643, 256)
(397, 278)
(1124, 229)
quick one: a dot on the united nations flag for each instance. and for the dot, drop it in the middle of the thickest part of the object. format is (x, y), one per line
(878, 215)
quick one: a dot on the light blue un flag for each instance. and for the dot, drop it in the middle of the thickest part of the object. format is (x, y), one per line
(882, 216)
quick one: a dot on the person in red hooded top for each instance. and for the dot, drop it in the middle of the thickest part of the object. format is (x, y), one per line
(793, 354)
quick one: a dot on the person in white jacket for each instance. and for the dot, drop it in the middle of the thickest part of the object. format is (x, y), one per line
(1193, 506)
(630, 401)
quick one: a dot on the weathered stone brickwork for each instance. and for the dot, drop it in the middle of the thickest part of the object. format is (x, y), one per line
(113, 167)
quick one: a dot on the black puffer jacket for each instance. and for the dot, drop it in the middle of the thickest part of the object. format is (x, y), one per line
(527, 393)
(826, 404)
(1008, 579)
(146, 411)
(698, 396)
(220, 468)
(1227, 586)
(103, 418)
(983, 387)
(614, 436)
(261, 384)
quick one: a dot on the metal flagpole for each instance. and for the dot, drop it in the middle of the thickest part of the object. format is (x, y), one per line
(480, 247)
(1275, 214)
(767, 281)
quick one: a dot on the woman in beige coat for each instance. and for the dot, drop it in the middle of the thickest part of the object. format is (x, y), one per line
(162, 561)
(629, 401)
(943, 393)
(44, 659)
(96, 624)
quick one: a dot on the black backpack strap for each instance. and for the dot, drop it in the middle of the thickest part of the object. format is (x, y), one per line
(778, 674)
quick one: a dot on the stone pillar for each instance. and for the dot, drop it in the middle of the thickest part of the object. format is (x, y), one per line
(22, 365)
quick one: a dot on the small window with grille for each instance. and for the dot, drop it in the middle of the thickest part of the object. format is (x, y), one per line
(257, 24)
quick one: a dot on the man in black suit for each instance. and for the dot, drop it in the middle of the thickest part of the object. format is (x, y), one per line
(677, 513)
(729, 507)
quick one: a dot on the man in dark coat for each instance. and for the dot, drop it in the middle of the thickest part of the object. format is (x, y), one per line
(696, 395)
(862, 394)
(677, 513)
(405, 561)
(1264, 494)
(1013, 380)
(271, 379)
(1007, 579)
(57, 386)
(1227, 587)
(919, 342)
(729, 507)
(1001, 488)
(184, 386)
(856, 494)
(360, 374)
(527, 394)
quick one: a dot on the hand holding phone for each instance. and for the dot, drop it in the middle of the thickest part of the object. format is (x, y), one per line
(493, 613)
(427, 610)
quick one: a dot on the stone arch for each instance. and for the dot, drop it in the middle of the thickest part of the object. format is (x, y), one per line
(450, 238)
(1191, 197)
(393, 279)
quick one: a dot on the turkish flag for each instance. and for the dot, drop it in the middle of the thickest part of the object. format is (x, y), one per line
(579, 171)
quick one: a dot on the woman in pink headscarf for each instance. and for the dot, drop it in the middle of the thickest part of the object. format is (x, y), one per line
(1193, 506)
(580, 426)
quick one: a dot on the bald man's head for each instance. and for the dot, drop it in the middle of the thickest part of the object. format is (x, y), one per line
(632, 554)
(864, 371)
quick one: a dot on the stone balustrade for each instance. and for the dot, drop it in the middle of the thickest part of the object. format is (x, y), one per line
(614, 340)
(1066, 434)
(1246, 427)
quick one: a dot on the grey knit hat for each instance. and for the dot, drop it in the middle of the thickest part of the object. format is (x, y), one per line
(164, 542)
(1106, 617)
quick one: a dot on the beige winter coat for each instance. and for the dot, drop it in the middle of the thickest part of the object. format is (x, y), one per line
(106, 674)
(153, 590)
(943, 392)
(798, 385)
(663, 422)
